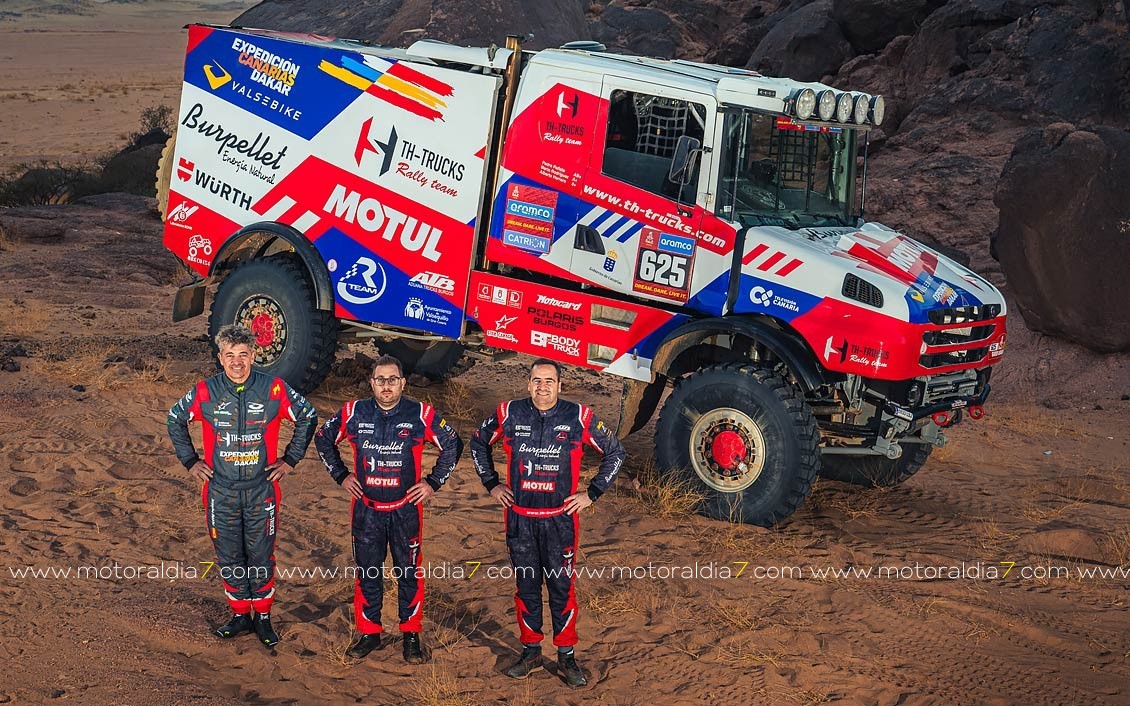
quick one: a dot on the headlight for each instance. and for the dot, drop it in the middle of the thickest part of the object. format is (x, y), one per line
(843, 108)
(805, 104)
(861, 107)
(826, 105)
(877, 109)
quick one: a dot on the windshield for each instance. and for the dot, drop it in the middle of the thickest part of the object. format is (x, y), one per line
(777, 172)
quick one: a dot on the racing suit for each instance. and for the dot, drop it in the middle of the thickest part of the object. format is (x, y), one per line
(543, 464)
(388, 448)
(241, 437)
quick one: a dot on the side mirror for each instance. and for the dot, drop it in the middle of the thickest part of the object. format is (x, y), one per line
(687, 150)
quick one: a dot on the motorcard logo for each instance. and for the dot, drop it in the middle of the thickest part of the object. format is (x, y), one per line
(375, 218)
(561, 344)
(363, 283)
(500, 295)
(222, 190)
(538, 486)
(559, 303)
(366, 143)
(268, 69)
(231, 144)
(199, 248)
(433, 281)
(184, 169)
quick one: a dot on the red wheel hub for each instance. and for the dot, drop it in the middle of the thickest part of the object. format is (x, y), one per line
(728, 448)
(263, 326)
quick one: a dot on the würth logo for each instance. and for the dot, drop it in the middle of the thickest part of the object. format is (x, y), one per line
(366, 143)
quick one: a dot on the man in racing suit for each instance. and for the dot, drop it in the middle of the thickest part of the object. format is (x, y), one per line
(387, 433)
(544, 439)
(240, 411)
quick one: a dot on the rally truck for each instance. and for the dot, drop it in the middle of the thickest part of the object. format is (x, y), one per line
(696, 230)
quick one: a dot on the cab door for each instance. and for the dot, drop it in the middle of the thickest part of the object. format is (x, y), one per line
(637, 230)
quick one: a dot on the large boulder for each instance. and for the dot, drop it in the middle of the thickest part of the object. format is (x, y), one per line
(1063, 234)
(805, 45)
(871, 24)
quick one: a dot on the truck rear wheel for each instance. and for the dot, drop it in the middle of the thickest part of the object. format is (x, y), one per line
(273, 297)
(165, 174)
(432, 359)
(876, 471)
(741, 435)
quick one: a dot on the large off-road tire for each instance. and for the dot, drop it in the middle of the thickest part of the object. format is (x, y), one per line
(165, 174)
(876, 471)
(434, 360)
(274, 298)
(744, 438)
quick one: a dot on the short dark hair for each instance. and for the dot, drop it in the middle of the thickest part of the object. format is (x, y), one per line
(546, 361)
(387, 360)
(233, 335)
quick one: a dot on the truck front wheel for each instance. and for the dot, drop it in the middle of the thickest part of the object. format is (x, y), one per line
(742, 436)
(876, 471)
(272, 297)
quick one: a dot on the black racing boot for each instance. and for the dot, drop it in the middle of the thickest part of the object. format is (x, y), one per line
(567, 665)
(263, 629)
(413, 652)
(239, 624)
(528, 662)
(365, 645)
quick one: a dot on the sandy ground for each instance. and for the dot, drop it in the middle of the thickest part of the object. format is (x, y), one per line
(1039, 489)
(77, 73)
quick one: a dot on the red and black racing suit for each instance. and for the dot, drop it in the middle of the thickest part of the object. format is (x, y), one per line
(241, 438)
(388, 447)
(543, 462)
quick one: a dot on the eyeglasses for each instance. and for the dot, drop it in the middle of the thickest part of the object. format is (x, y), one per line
(386, 382)
(543, 382)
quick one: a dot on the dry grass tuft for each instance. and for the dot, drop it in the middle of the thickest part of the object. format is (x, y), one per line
(438, 688)
(666, 496)
(450, 622)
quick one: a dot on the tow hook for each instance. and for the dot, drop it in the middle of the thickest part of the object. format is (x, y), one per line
(976, 412)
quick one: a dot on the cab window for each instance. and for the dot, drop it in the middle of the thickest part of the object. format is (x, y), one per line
(643, 130)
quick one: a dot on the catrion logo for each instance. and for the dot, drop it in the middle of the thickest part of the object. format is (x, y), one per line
(570, 103)
(216, 74)
(359, 285)
(366, 143)
(184, 169)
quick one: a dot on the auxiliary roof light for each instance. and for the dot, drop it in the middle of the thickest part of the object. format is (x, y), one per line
(826, 105)
(843, 107)
(804, 104)
(878, 108)
(862, 106)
